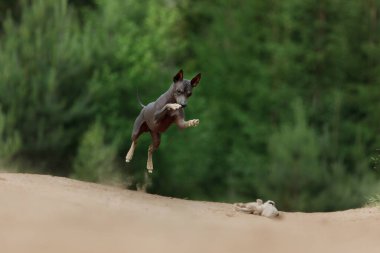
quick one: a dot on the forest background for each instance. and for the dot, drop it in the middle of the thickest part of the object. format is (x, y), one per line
(289, 101)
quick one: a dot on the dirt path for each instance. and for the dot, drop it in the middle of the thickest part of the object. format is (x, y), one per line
(51, 214)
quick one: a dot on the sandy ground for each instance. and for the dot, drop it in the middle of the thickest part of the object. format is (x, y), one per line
(51, 214)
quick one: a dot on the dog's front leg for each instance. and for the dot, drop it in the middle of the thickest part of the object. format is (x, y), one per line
(168, 107)
(181, 123)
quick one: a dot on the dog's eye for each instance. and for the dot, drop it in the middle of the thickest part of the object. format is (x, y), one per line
(178, 91)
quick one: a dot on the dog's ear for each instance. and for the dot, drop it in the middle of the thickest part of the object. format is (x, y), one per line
(195, 80)
(178, 77)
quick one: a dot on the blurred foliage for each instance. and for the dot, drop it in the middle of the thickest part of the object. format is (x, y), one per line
(374, 201)
(9, 140)
(46, 60)
(288, 102)
(94, 160)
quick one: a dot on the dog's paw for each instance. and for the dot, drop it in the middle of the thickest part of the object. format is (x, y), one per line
(173, 106)
(193, 122)
(128, 157)
(149, 164)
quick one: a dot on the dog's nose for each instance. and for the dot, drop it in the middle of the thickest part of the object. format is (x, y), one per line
(184, 105)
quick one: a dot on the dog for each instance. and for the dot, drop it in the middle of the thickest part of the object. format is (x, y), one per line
(157, 116)
(251, 207)
(267, 209)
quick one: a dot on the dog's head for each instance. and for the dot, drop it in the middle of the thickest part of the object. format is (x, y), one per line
(269, 209)
(183, 88)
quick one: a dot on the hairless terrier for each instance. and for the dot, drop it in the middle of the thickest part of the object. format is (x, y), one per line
(157, 116)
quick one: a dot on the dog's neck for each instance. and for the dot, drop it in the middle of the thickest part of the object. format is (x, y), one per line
(169, 94)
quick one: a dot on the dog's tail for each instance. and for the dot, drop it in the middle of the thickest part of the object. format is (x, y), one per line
(138, 99)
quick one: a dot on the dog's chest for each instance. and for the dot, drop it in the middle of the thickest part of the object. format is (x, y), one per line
(165, 123)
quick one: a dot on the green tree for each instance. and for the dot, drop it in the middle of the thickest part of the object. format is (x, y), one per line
(300, 176)
(46, 60)
(10, 142)
(95, 159)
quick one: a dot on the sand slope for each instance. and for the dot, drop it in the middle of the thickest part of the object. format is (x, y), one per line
(51, 214)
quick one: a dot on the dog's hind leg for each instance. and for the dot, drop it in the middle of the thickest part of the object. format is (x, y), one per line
(149, 162)
(129, 155)
(138, 128)
(242, 208)
(156, 138)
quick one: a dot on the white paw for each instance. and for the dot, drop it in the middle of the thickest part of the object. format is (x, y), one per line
(149, 167)
(194, 122)
(128, 158)
(173, 107)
